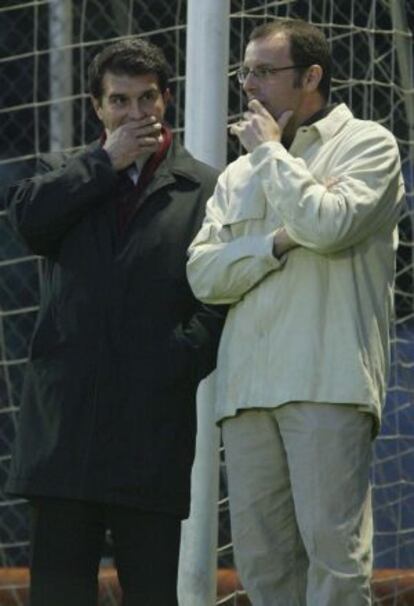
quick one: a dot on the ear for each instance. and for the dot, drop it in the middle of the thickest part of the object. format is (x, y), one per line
(97, 107)
(312, 77)
(166, 96)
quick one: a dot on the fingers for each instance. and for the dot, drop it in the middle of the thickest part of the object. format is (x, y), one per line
(256, 107)
(284, 119)
(133, 139)
(140, 122)
(145, 128)
(236, 128)
(143, 142)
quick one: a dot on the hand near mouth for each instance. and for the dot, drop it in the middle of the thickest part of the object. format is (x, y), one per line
(258, 126)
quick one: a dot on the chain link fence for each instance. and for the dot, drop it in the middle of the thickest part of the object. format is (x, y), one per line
(45, 48)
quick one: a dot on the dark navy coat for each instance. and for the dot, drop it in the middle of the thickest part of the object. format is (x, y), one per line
(120, 345)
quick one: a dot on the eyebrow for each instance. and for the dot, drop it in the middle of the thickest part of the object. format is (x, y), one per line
(125, 95)
(115, 95)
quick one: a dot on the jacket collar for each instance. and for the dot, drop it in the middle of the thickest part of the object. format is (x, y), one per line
(331, 124)
(324, 128)
(180, 162)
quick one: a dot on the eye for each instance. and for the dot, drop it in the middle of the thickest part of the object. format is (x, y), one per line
(150, 95)
(262, 71)
(118, 100)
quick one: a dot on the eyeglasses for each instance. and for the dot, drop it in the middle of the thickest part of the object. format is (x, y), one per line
(262, 72)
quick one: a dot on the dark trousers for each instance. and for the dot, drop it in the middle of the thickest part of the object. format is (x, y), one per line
(66, 544)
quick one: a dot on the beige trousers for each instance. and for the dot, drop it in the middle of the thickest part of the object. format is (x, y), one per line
(300, 503)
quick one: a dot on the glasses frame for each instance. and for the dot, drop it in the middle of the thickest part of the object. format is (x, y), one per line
(243, 72)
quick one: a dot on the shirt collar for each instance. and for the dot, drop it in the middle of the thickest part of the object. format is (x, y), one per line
(321, 113)
(330, 120)
(135, 169)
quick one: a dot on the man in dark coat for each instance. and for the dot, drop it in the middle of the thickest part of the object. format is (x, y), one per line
(107, 422)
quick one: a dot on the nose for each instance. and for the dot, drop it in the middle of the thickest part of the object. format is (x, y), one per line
(135, 111)
(250, 83)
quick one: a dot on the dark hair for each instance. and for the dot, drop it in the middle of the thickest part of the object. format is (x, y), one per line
(133, 57)
(308, 46)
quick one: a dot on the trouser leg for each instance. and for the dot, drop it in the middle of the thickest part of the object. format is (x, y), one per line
(269, 552)
(66, 543)
(329, 453)
(146, 548)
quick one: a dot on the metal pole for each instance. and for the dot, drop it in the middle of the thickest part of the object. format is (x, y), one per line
(206, 95)
(197, 574)
(404, 47)
(60, 71)
(206, 102)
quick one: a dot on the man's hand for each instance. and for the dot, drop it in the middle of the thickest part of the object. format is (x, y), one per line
(129, 141)
(258, 126)
(282, 242)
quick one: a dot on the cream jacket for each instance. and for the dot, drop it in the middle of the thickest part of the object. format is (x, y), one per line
(313, 326)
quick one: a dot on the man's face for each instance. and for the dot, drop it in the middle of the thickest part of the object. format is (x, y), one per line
(126, 98)
(279, 91)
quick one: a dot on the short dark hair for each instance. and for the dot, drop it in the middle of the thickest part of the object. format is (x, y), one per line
(308, 46)
(133, 57)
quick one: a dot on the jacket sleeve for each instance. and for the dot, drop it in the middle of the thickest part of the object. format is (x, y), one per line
(222, 269)
(198, 340)
(44, 207)
(360, 196)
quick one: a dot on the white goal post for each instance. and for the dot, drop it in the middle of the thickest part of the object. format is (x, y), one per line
(207, 55)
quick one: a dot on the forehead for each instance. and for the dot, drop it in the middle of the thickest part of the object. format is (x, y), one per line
(274, 49)
(126, 84)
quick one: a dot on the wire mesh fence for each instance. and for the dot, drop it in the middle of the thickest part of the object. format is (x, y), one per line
(45, 48)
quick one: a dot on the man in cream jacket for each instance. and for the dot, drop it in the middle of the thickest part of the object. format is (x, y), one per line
(300, 240)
